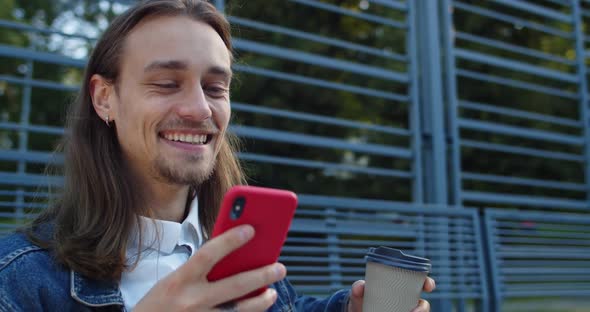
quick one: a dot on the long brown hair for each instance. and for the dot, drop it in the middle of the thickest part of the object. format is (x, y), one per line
(99, 205)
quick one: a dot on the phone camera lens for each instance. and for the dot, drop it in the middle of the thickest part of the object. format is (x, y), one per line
(238, 207)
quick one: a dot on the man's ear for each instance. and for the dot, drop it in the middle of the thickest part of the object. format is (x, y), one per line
(102, 93)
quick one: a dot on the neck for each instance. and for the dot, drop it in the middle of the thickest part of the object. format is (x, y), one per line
(167, 201)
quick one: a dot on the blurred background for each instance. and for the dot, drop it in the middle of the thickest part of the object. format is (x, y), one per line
(454, 130)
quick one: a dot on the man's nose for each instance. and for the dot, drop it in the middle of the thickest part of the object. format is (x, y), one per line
(195, 106)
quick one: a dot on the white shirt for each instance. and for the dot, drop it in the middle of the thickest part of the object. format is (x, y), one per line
(159, 257)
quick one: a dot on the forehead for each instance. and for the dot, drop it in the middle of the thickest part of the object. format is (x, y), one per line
(174, 38)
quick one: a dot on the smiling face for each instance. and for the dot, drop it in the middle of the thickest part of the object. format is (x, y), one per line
(171, 108)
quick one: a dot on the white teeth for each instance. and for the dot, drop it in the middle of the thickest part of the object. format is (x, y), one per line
(187, 138)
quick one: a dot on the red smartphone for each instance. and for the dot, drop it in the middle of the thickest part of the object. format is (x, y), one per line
(270, 212)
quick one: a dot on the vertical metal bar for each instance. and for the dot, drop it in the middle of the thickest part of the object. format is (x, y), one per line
(23, 135)
(432, 114)
(415, 126)
(412, 50)
(451, 97)
(432, 96)
(333, 255)
(446, 13)
(489, 247)
(458, 223)
(420, 237)
(583, 90)
(478, 229)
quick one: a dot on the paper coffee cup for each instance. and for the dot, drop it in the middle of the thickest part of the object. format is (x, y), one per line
(393, 280)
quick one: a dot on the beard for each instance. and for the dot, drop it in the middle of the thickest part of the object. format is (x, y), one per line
(198, 170)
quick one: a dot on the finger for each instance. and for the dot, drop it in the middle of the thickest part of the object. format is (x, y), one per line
(217, 248)
(356, 296)
(429, 285)
(358, 289)
(259, 303)
(243, 283)
(423, 306)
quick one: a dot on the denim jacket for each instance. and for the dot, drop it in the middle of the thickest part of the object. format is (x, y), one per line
(31, 280)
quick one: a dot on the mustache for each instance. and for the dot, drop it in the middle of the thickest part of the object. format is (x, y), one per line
(203, 126)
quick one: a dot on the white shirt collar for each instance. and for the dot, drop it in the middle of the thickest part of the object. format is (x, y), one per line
(171, 234)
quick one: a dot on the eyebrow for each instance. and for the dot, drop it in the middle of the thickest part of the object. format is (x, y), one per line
(170, 65)
(182, 65)
(226, 74)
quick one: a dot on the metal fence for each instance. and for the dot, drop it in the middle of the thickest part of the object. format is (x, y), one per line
(385, 116)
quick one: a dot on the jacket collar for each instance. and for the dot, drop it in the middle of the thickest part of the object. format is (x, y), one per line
(94, 293)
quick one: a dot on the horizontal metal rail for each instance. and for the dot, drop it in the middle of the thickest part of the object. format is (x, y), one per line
(317, 38)
(30, 28)
(318, 60)
(513, 20)
(514, 65)
(20, 205)
(432, 210)
(513, 48)
(546, 293)
(32, 156)
(524, 200)
(39, 83)
(392, 4)
(364, 16)
(565, 3)
(517, 84)
(521, 132)
(32, 128)
(239, 106)
(312, 164)
(28, 179)
(525, 151)
(500, 215)
(24, 193)
(323, 142)
(520, 233)
(528, 7)
(520, 114)
(543, 241)
(321, 83)
(545, 263)
(523, 181)
(45, 57)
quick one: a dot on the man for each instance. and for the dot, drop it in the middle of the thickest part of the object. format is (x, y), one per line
(148, 159)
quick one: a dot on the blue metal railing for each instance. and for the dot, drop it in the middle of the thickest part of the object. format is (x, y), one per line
(532, 104)
(538, 254)
(571, 73)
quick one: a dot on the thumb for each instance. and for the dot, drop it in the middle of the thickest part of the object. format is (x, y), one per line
(356, 296)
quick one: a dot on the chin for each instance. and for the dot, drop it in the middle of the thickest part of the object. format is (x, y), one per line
(190, 174)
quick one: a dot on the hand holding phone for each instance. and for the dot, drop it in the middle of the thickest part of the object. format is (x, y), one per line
(270, 212)
(188, 288)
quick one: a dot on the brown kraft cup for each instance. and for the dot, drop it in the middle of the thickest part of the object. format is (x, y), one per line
(394, 280)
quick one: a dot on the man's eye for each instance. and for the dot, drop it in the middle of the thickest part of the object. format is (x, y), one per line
(215, 91)
(171, 85)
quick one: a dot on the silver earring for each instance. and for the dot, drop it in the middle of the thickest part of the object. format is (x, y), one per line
(107, 120)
